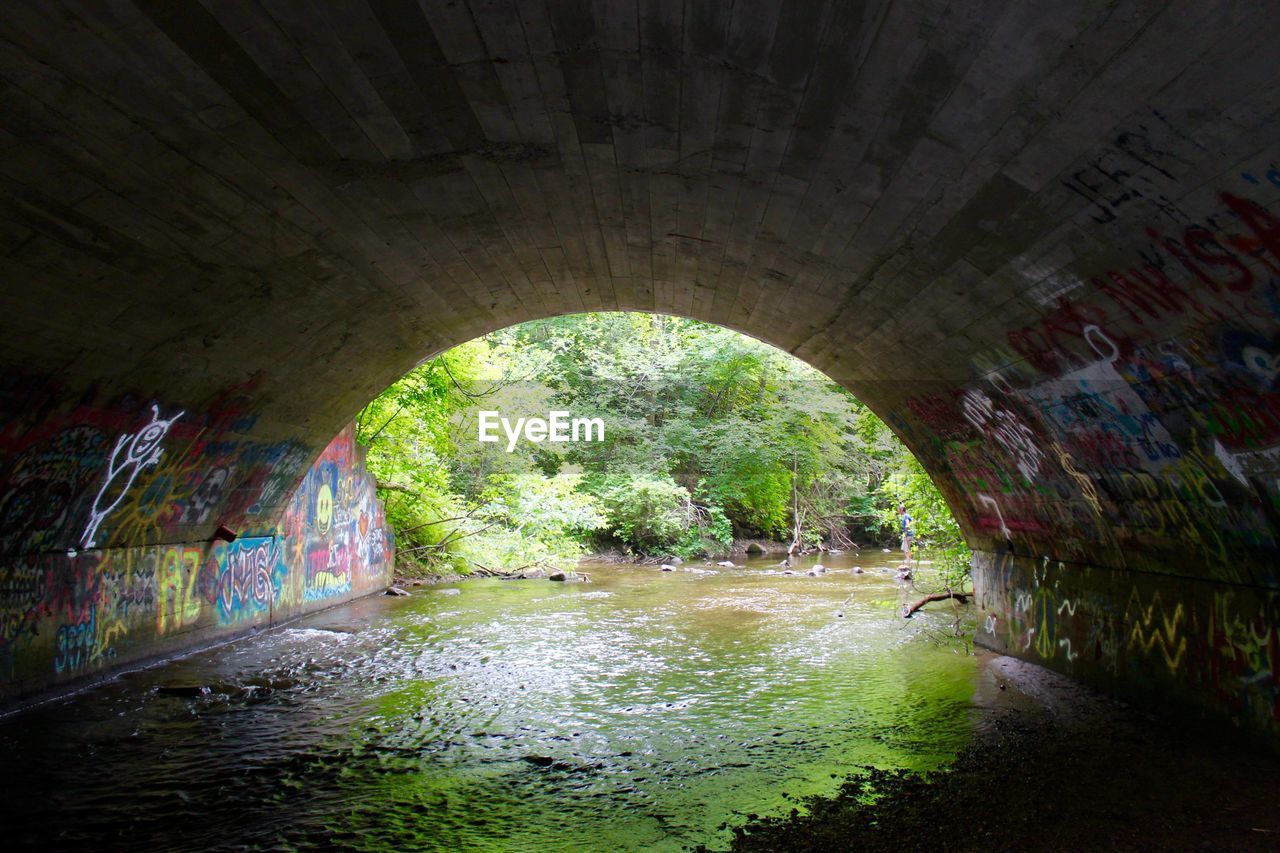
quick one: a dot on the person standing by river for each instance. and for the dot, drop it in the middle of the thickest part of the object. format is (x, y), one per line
(905, 521)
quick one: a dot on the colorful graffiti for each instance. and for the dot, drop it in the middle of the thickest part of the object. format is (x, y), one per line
(1136, 424)
(245, 578)
(336, 523)
(1149, 638)
(178, 581)
(77, 472)
(140, 450)
(64, 614)
(1131, 433)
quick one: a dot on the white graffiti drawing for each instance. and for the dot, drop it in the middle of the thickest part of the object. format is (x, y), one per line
(1005, 428)
(133, 452)
(1101, 343)
(987, 500)
(990, 625)
(1066, 643)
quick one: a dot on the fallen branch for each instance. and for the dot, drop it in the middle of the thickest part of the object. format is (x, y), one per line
(961, 597)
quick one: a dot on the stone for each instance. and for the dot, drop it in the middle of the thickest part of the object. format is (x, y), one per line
(395, 590)
(184, 690)
(728, 564)
(557, 576)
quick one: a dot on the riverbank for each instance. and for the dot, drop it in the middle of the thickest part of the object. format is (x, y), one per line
(1052, 766)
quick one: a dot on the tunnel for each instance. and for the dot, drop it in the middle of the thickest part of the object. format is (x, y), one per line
(1041, 240)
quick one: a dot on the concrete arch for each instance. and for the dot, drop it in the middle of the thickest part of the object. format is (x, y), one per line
(1043, 240)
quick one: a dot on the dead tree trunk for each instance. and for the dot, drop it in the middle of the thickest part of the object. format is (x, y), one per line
(908, 612)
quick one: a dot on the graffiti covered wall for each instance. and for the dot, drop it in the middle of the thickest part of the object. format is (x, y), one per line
(1212, 648)
(70, 613)
(1137, 424)
(1115, 462)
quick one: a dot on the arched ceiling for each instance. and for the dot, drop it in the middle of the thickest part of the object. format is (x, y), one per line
(1034, 236)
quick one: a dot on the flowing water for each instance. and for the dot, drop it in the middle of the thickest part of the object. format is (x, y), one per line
(641, 710)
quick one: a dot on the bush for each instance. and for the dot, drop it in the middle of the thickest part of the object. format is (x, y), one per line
(530, 519)
(647, 513)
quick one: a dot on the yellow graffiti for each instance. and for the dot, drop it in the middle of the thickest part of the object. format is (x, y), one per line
(1087, 488)
(294, 537)
(324, 508)
(148, 506)
(1146, 636)
(327, 580)
(1045, 627)
(178, 606)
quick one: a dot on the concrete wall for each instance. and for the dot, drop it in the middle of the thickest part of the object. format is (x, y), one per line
(80, 609)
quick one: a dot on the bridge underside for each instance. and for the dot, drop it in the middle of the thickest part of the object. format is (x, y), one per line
(1041, 240)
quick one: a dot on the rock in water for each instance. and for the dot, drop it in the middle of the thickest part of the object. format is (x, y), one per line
(395, 590)
(856, 570)
(557, 576)
(728, 564)
(184, 690)
(667, 567)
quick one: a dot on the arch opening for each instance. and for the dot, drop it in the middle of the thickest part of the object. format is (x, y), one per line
(647, 435)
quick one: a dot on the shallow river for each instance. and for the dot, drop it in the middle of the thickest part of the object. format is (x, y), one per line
(641, 710)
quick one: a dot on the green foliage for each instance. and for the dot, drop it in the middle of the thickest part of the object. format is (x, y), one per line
(536, 519)
(646, 512)
(710, 435)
